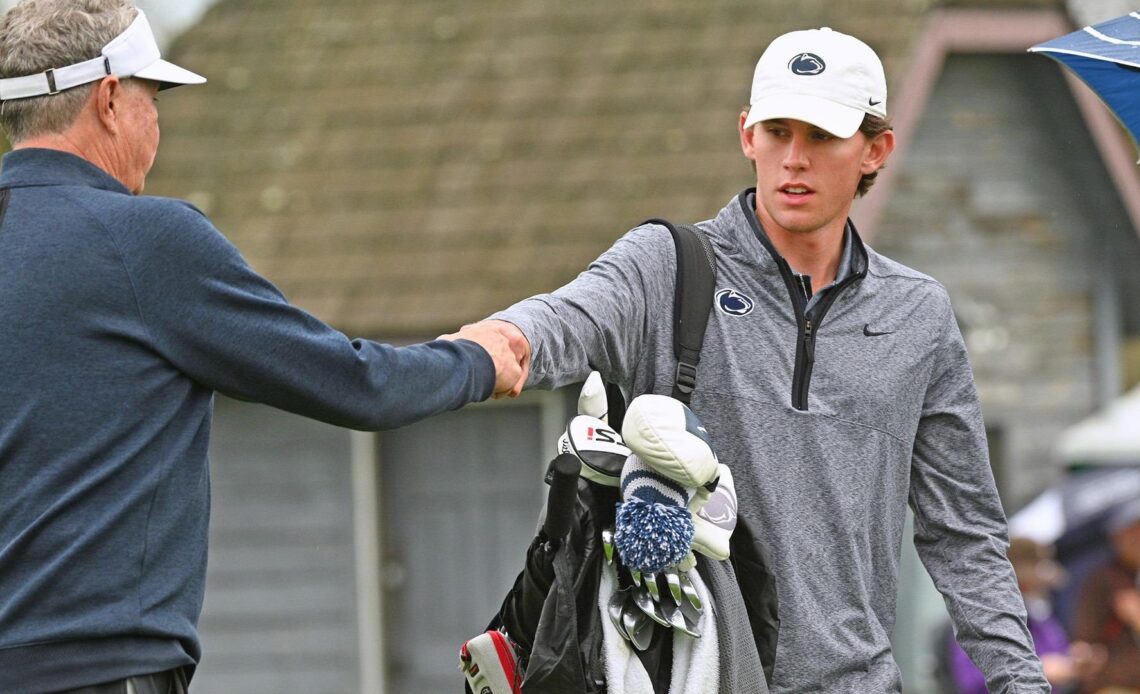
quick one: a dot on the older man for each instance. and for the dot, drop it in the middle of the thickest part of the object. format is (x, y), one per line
(122, 315)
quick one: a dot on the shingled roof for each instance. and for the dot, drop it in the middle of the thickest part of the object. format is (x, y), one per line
(401, 168)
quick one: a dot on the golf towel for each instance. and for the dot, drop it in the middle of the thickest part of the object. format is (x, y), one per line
(696, 662)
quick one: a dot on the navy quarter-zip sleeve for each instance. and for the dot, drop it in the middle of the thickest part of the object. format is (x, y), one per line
(205, 310)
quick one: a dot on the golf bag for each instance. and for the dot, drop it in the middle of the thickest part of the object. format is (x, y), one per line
(551, 615)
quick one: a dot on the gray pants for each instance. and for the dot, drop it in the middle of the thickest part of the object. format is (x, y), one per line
(169, 682)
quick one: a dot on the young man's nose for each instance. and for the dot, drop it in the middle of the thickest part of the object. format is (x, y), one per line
(795, 153)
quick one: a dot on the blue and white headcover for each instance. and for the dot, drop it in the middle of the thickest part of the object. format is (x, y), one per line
(672, 459)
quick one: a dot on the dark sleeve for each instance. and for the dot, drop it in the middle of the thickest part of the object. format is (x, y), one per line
(225, 326)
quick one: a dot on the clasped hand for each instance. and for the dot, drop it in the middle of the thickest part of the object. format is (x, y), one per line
(509, 349)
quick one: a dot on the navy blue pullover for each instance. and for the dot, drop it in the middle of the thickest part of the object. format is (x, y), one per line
(120, 316)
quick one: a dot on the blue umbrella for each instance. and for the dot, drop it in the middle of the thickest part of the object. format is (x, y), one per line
(1106, 57)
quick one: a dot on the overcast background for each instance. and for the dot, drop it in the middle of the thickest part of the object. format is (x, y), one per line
(167, 17)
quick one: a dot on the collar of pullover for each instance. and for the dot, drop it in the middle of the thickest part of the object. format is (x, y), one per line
(51, 167)
(854, 261)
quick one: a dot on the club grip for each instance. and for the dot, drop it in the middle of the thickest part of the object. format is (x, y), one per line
(562, 499)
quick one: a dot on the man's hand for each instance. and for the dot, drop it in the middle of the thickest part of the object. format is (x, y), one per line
(509, 349)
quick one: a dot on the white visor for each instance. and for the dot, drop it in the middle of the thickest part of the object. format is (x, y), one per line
(133, 53)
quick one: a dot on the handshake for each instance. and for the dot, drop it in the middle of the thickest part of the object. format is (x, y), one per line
(509, 349)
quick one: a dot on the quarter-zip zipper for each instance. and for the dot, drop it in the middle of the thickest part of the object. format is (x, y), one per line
(809, 323)
(805, 360)
(805, 338)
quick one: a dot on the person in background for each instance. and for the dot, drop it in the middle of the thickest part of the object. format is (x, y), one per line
(1108, 608)
(122, 315)
(1065, 663)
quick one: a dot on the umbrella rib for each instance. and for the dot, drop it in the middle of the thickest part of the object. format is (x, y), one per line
(1108, 39)
(1082, 54)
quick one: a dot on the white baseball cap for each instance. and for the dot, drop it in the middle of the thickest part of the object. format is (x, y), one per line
(818, 76)
(133, 53)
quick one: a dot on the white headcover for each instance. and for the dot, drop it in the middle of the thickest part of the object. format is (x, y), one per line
(133, 53)
(669, 439)
(714, 522)
(599, 447)
(592, 400)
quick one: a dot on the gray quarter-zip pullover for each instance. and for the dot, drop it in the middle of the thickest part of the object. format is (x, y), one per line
(833, 420)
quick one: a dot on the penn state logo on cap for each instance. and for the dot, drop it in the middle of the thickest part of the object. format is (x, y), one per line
(806, 64)
(793, 80)
(734, 303)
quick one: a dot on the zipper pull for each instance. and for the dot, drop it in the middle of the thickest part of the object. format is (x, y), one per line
(805, 286)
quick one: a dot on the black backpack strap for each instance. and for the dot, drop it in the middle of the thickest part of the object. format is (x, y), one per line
(692, 301)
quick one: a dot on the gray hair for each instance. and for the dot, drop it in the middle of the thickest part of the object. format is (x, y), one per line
(39, 34)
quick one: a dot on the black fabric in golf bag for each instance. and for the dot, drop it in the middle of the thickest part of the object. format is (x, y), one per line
(564, 653)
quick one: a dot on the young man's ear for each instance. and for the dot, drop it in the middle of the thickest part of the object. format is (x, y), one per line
(879, 148)
(746, 136)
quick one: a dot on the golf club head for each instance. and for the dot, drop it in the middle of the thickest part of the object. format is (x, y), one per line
(638, 626)
(690, 593)
(692, 617)
(677, 620)
(614, 609)
(649, 606)
(651, 587)
(673, 580)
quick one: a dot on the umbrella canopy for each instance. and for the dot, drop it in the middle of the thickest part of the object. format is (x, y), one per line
(1109, 437)
(1072, 517)
(1071, 514)
(1102, 453)
(1106, 57)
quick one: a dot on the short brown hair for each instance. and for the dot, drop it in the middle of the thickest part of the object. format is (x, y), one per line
(872, 127)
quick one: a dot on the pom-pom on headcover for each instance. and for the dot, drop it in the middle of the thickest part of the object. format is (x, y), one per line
(654, 528)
